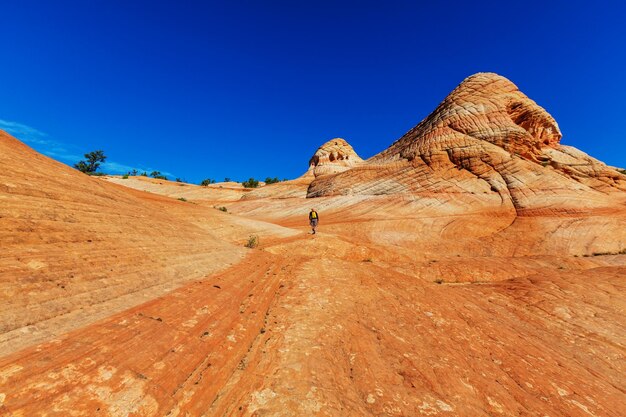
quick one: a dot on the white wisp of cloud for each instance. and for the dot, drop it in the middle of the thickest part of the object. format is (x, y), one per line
(41, 142)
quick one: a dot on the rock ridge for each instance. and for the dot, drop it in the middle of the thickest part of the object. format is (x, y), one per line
(485, 137)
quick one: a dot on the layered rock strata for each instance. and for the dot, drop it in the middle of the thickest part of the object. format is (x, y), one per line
(333, 157)
(489, 141)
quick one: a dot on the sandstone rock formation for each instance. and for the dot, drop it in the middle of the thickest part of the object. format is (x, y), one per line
(222, 192)
(76, 249)
(486, 138)
(486, 107)
(475, 268)
(333, 157)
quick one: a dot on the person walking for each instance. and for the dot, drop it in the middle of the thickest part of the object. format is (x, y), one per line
(313, 219)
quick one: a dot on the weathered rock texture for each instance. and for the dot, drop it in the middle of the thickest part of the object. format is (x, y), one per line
(489, 140)
(485, 107)
(220, 192)
(449, 277)
(76, 249)
(333, 157)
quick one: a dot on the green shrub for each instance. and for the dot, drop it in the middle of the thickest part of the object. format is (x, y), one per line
(224, 209)
(207, 181)
(158, 175)
(251, 183)
(253, 242)
(182, 199)
(269, 180)
(125, 177)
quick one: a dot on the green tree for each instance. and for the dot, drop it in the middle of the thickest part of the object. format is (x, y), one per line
(269, 180)
(158, 175)
(251, 183)
(207, 181)
(91, 163)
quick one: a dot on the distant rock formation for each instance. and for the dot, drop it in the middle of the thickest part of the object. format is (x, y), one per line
(333, 157)
(486, 107)
(486, 137)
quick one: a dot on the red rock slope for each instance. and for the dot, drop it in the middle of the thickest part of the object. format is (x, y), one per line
(75, 249)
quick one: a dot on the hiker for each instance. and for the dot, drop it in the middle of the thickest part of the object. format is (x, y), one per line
(313, 219)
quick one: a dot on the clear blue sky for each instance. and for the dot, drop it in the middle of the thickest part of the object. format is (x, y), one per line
(237, 89)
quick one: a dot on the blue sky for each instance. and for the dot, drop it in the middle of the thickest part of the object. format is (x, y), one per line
(203, 89)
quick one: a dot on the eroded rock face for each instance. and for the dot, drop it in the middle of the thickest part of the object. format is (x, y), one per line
(485, 140)
(485, 106)
(333, 157)
(76, 248)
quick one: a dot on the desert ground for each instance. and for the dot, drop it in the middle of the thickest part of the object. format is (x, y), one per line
(476, 267)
